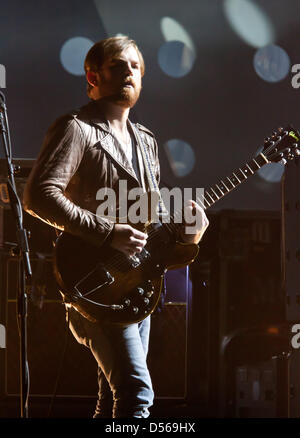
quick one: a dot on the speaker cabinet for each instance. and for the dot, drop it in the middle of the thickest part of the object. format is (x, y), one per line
(235, 300)
(49, 340)
(291, 268)
(291, 239)
(167, 351)
(57, 363)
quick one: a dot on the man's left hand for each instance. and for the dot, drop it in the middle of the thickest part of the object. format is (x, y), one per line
(195, 222)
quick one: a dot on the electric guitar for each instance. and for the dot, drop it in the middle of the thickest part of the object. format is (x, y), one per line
(110, 286)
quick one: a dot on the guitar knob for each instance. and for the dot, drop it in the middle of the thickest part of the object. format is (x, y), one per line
(135, 309)
(146, 300)
(149, 293)
(140, 291)
(127, 302)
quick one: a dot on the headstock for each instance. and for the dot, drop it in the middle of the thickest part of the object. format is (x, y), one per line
(283, 145)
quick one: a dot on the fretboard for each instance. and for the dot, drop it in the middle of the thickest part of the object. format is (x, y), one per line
(229, 183)
(222, 188)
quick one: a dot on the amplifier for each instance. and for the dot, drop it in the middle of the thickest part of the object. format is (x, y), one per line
(23, 168)
(241, 289)
(291, 238)
(75, 369)
(41, 236)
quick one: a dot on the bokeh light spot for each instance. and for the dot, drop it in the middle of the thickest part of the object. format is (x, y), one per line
(271, 63)
(73, 53)
(176, 59)
(249, 22)
(181, 156)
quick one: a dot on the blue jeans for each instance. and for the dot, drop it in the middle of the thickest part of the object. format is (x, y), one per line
(121, 353)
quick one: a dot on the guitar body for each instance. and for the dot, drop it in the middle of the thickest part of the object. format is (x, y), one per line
(107, 285)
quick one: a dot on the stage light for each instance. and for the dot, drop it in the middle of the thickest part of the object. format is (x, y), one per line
(175, 59)
(271, 63)
(174, 31)
(271, 172)
(249, 22)
(177, 55)
(72, 54)
(181, 157)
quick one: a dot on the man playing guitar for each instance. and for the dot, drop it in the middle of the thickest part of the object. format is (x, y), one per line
(91, 148)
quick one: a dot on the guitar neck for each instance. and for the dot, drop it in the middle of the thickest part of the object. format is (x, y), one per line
(229, 183)
(224, 186)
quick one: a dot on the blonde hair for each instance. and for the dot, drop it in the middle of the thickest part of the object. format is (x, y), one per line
(108, 48)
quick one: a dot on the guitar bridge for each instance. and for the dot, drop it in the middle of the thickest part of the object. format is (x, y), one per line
(134, 261)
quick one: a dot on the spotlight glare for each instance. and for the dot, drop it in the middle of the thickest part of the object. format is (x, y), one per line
(271, 63)
(173, 31)
(181, 156)
(72, 54)
(249, 22)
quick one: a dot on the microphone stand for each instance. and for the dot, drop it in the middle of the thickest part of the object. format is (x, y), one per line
(25, 273)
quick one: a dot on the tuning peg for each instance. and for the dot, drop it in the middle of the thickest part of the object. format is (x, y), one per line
(280, 129)
(267, 139)
(297, 152)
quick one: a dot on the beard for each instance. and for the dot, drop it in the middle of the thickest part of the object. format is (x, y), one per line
(126, 97)
(129, 96)
(121, 95)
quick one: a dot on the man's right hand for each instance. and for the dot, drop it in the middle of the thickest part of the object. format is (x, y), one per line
(128, 239)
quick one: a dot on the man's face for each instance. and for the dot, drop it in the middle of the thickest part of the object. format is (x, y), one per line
(120, 80)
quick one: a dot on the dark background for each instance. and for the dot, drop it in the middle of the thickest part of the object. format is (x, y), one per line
(221, 108)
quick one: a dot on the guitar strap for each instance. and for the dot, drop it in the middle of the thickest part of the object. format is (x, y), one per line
(150, 173)
(153, 186)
